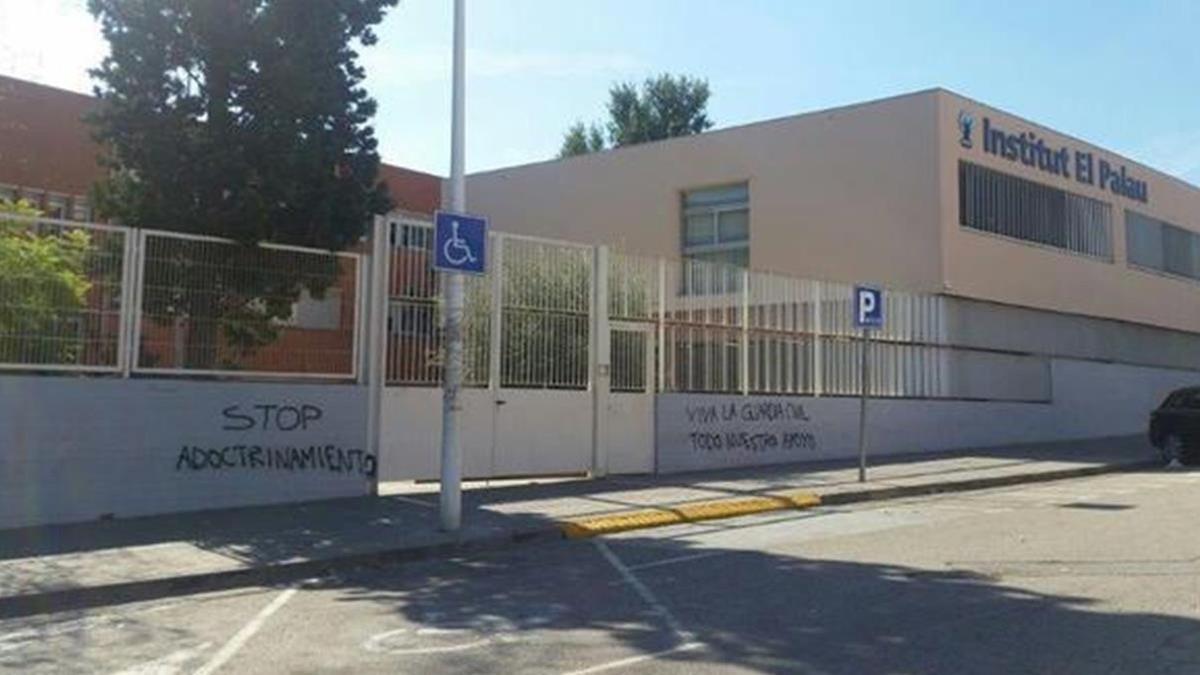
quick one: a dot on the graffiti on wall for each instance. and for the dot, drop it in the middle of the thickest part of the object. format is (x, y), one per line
(292, 455)
(751, 427)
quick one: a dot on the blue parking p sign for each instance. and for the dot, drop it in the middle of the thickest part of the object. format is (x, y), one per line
(459, 243)
(868, 307)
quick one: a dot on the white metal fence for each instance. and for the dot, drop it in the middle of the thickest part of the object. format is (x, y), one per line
(732, 330)
(87, 297)
(414, 324)
(62, 294)
(679, 326)
(544, 308)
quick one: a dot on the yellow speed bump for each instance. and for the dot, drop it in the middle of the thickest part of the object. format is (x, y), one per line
(686, 513)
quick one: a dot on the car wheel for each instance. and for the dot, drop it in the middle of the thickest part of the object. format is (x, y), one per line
(1172, 449)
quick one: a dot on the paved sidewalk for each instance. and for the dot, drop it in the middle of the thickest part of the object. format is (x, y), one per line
(49, 568)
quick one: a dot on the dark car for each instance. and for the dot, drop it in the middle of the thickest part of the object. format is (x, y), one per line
(1175, 425)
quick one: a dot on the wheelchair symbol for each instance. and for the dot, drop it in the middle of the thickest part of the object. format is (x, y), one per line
(455, 250)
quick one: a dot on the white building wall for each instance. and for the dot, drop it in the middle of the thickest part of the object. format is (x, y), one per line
(75, 449)
(1090, 399)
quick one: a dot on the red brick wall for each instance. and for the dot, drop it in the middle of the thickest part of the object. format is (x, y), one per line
(46, 147)
(44, 144)
(412, 191)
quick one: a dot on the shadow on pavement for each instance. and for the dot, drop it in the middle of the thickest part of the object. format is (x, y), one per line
(761, 611)
(41, 560)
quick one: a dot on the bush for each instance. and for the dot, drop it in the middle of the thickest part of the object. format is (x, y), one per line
(43, 287)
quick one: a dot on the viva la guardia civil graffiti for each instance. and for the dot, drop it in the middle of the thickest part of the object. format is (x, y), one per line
(291, 457)
(749, 427)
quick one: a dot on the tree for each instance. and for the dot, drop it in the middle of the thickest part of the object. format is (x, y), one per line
(665, 107)
(243, 119)
(581, 139)
(43, 287)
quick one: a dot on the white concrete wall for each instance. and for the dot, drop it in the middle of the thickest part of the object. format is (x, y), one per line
(534, 432)
(694, 431)
(75, 449)
(630, 432)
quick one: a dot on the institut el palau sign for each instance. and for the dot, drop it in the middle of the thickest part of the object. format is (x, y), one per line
(1027, 148)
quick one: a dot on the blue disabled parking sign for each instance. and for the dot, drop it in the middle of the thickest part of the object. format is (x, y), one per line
(868, 307)
(459, 243)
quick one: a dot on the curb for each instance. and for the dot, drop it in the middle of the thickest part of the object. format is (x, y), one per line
(267, 575)
(903, 491)
(283, 573)
(691, 512)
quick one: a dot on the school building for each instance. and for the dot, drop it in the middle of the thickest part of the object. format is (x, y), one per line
(1030, 231)
(672, 306)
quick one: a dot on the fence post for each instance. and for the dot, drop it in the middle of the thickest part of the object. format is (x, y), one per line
(495, 342)
(941, 372)
(376, 327)
(745, 338)
(601, 357)
(817, 366)
(125, 349)
(661, 338)
(496, 317)
(134, 316)
(363, 295)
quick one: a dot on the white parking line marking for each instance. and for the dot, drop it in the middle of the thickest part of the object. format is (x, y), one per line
(243, 636)
(379, 643)
(685, 638)
(687, 646)
(412, 500)
(679, 559)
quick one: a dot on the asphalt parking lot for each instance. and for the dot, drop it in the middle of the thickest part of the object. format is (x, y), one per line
(1095, 575)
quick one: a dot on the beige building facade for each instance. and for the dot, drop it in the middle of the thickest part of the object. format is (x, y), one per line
(929, 192)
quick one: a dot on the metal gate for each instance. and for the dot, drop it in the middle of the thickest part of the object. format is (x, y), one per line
(630, 404)
(527, 404)
(543, 402)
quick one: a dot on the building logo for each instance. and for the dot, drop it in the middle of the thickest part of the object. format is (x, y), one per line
(1060, 160)
(966, 123)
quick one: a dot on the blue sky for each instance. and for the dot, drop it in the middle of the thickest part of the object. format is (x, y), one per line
(1121, 75)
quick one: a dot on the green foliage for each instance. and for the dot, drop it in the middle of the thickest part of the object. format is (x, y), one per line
(545, 331)
(581, 139)
(666, 106)
(244, 119)
(43, 287)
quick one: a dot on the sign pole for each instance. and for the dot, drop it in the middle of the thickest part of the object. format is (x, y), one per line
(451, 478)
(868, 314)
(864, 383)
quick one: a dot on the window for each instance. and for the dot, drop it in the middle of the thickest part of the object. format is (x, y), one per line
(716, 229)
(1160, 246)
(32, 197)
(991, 201)
(716, 224)
(56, 206)
(1184, 398)
(80, 209)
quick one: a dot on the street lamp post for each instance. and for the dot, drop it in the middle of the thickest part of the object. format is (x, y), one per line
(451, 483)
